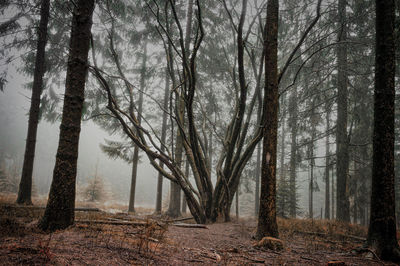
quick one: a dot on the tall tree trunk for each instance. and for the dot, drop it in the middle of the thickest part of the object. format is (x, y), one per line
(163, 139)
(258, 160)
(312, 162)
(382, 228)
(135, 160)
(267, 225)
(293, 109)
(342, 145)
(282, 182)
(257, 176)
(25, 185)
(327, 165)
(59, 212)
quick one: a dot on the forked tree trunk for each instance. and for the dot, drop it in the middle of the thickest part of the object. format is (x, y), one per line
(382, 228)
(342, 146)
(59, 212)
(174, 208)
(25, 185)
(267, 225)
(135, 160)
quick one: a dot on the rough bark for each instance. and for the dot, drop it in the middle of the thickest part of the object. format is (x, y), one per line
(267, 225)
(382, 228)
(342, 145)
(135, 159)
(257, 177)
(25, 185)
(59, 212)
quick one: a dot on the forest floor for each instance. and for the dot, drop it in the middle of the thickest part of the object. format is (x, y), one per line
(100, 238)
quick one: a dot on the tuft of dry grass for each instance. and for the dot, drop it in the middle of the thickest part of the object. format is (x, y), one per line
(330, 228)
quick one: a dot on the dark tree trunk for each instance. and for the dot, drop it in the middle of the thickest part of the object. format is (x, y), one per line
(163, 138)
(342, 146)
(283, 190)
(267, 225)
(59, 212)
(135, 160)
(312, 161)
(327, 166)
(257, 176)
(293, 109)
(333, 195)
(382, 228)
(25, 186)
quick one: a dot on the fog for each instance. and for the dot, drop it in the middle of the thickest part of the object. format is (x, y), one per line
(14, 109)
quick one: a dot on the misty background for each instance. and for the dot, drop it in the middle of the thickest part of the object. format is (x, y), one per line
(14, 109)
(116, 174)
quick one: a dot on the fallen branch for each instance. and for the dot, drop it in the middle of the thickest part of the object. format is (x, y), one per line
(111, 222)
(190, 225)
(178, 220)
